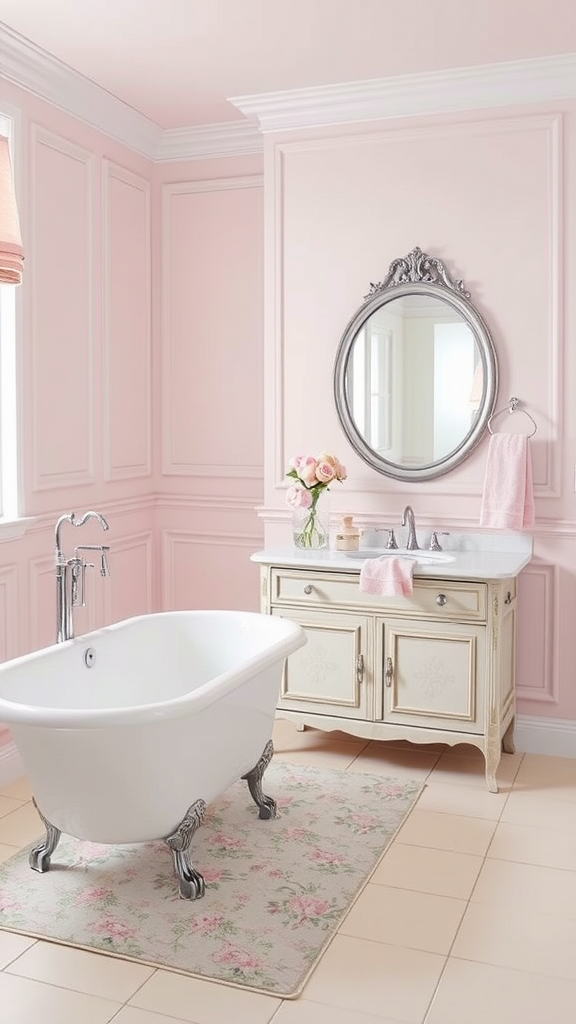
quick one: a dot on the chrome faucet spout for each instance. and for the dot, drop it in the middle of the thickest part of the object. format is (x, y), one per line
(69, 517)
(408, 520)
(92, 515)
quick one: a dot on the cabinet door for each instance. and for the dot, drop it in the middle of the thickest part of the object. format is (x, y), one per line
(432, 674)
(330, 675)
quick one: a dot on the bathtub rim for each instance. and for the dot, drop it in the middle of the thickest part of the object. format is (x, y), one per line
(290, 636)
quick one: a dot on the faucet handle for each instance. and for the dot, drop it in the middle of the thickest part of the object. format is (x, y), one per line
(391, 543)
(435, 544)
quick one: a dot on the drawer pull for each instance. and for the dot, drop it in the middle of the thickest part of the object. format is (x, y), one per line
(359, 668)
(508, 598)
(388, 676)
(441, 600)
(308, 588)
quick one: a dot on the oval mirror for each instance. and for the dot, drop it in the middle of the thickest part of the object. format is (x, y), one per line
(415, 378)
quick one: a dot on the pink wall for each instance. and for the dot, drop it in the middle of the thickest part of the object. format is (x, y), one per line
(144, 360)
(489, 194)
(210, 382)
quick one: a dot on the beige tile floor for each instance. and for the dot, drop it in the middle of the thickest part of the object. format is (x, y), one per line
(470, 918)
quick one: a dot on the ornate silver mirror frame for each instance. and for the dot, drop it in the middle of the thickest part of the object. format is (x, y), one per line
(417, 279)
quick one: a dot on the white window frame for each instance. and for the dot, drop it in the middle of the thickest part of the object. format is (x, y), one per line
(9, 434)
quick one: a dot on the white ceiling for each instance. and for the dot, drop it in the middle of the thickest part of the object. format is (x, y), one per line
(178, 62)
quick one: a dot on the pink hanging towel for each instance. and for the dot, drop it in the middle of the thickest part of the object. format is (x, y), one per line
(508, 498)
(388, 576)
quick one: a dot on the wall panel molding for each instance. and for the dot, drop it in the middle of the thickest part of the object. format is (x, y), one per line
(208, 502)
(171, 375)
(9, 613)
(126, 277)
(141, 543)
(70, 397)
(172, 540)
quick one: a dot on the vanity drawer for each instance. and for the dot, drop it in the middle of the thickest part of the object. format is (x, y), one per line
(448, 599)
(434, 599)
(300, 586)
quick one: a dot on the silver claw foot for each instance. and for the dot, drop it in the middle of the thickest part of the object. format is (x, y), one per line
(266, 804)
(39, 856)
(191, 882)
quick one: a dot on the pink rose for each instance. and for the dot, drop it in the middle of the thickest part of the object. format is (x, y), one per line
(325, 472)
(308, 906)
(240, 958)
(295, 462)
(339, 471)
(307, 471)
(206, 924)
(298, 497)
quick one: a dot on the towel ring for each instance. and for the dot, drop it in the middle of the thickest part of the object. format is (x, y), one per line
(511, 408)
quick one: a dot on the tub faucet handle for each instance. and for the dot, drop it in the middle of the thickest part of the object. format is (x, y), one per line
(391, 543)
(102, 548)
(104, 568)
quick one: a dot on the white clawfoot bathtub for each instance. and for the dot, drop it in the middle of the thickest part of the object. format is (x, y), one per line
(124, 730)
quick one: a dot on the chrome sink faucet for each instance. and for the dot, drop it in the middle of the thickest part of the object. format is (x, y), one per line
(70, 573)
(408, 520)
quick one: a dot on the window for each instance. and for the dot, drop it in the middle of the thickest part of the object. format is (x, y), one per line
(8, 404)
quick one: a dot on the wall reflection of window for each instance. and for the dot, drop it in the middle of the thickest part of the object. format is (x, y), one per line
(454, 358)
(372, 386)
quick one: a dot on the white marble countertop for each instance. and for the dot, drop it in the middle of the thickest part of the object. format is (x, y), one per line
(475, 557)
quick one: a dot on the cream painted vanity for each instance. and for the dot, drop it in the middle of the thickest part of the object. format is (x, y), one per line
(434, 667)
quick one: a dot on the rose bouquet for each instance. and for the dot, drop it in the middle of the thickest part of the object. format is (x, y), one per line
(313, 477)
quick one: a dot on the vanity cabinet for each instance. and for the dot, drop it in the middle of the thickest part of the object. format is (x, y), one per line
(437, 666)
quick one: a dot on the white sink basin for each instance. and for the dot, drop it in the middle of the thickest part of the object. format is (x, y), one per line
(422, 557)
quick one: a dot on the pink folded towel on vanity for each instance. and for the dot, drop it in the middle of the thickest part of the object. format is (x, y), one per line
(508, 498)
(388, 576)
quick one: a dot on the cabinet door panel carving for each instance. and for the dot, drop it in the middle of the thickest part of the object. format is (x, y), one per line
(437, 676)
(332, 673)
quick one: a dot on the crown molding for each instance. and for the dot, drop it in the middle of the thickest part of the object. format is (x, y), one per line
(229, 138)
(31, 68)
(489, 85)
(525, 81)
(28, 66)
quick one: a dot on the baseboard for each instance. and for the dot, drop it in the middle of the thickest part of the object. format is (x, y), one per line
(11, 767)
(553, 736)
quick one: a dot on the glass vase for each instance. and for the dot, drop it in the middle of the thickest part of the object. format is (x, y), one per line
(311, 526)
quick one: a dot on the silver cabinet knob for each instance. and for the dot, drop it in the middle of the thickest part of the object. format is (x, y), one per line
(441, 600)
(308, 588)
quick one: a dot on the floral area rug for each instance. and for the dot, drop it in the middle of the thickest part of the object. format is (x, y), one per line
(276, 890)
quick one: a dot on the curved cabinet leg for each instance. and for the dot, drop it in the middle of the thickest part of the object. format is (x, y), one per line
(39, 856)
(192, 885)
(492, 755)
(266, 805)
(508, 739)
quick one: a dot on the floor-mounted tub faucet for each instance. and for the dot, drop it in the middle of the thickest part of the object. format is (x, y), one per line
(70, 573)
(408, 519)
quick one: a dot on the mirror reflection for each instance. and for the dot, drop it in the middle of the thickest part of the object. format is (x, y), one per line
(415, 377)
(414, 380)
